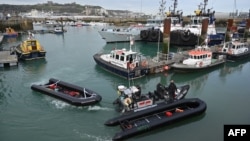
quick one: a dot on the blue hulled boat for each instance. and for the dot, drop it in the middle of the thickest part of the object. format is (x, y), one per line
(125, 63)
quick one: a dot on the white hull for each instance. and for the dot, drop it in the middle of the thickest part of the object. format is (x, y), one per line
(119, 36)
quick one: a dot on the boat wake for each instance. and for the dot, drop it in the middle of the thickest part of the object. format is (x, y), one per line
(92, 137)
(59, 104)
(99, 108)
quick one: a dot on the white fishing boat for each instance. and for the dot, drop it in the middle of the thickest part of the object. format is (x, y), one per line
(200, 58)
(155, 33)
(188, 36)
(121, 34)
(235, 50)
(125, 63)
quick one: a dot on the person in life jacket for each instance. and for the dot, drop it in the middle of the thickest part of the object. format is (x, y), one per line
(127, 102)
(172, 89)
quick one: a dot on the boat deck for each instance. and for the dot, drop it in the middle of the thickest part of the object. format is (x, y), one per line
(156, 65)
(7, 59)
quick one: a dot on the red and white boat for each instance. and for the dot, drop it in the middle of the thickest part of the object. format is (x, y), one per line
(200, 58)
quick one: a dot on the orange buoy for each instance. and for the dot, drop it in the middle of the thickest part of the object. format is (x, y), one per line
(168, 114)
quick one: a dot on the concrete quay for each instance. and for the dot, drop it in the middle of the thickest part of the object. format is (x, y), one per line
(8, 59)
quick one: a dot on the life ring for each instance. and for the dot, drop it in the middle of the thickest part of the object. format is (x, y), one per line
(209, 55)
(185, 35)
(132, 66)
(144, 34)
(200, 64)
(144, 63)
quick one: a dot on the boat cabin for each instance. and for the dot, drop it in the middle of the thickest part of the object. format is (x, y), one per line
(31, 46)
(235, 47)
(199, 57)
(125, 59)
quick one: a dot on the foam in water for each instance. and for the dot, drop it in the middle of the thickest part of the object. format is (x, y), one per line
(98, 108)
(92, 137)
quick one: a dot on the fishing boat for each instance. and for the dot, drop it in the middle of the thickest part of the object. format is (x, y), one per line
(131, 99)
(158, 117)
(234, 50)
(70, 93)
(30, 49)
(10, 32)
(189, 34)
(121, 34)
(124, 63)
(155, 34)
(200, 58)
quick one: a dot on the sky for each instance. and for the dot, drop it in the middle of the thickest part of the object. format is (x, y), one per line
(149, 6)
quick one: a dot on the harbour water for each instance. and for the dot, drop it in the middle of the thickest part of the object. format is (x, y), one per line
(29, 115)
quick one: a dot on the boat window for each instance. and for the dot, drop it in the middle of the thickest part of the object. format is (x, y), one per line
(204, 56)
(122, 58)
(117, 57)
(233, 47)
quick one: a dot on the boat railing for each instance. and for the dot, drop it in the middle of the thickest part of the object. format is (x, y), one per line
(164, 56)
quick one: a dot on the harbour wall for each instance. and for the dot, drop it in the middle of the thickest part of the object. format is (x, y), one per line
(24, 24)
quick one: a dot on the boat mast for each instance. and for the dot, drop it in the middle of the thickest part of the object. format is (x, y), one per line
(162, 16)
(204, 8)
(162, 8)
(175, 6)
(131, 43)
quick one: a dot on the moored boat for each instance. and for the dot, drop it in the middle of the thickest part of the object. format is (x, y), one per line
(125, 63)
(30, 49)
(10, 32)
(189, 35)
(70, 93)
(162, 116)
(155, 34)
(59, 30)
(121, 34)
(200, 58)
(235, 50)
(131, 99)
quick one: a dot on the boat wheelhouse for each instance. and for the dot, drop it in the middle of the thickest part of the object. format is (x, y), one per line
(125, 63)
(199, 58)
(30, 49)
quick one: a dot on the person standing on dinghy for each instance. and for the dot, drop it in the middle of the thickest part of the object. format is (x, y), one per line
(172, 89)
